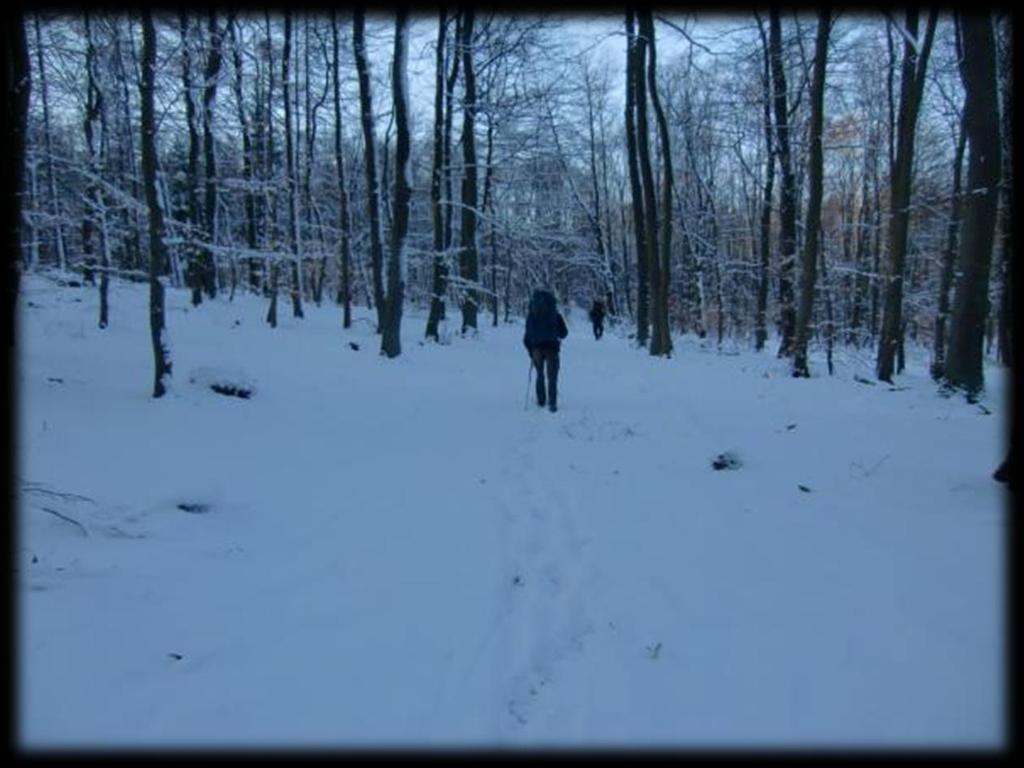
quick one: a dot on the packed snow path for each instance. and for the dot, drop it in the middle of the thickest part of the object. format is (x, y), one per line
(373, 552)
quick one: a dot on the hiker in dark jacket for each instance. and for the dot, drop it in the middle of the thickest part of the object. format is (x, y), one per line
(545, 329)
(597, 318)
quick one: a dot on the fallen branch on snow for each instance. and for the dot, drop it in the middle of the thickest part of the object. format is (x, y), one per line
(65, 518)
(31, 487)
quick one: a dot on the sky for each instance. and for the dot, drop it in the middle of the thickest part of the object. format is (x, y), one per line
(600, 36)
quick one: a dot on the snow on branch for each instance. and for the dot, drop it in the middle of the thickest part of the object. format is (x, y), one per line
(912, 41)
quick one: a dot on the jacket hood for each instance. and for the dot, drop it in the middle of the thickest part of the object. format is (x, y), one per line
(542, 300)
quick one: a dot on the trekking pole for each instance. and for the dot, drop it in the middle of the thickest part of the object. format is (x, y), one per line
(529, 380)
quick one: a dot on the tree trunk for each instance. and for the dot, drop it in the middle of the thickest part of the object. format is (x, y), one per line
(449, 114)
(17, 85)
(1006, 305)
(33, 195)
(270, 234)
(611, 265)
(661, 339)
(829, 320)
(911, 86)
(876, 244)
(813, 221)
(938, 366)
(94, 198)
(964, 368)
(635, 93)
(131, 255)
(372, 189)
(58, 233)
(314, 221)
(247, 144)
(650, 254)
(788, 197)
(468, 261)
(193, 270)
(161, 353)
(440, 273)
(764, 277)
(345, 218)
(295, 286)
(210, 74)
(595, 191)
(626, 291)
(272, 309)
(488, 207)
(861, 252)
(391, 344)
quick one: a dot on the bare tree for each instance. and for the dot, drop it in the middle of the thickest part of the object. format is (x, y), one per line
(661, 340)
(94, 220)
(601, 233)
(161, 353)
(290, 172)
(938, 366)
(312, 202)
(372, 187)
(964, 368)
(210, 75)
(440, 271)
(813, 221)
(635, 93)
(915, 62)
(194, 258)
(248, 152)
(271, 204)
(17, 86)
(468, 262)
(761, 322)
(650, 221)
(788, 196)
(1006, 304)
(391, 343)
(344, 215)
(58, 233)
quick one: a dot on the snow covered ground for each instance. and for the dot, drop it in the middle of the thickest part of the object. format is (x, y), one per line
(396, 553)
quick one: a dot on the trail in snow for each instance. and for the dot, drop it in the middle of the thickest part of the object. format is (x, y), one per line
(548, 575)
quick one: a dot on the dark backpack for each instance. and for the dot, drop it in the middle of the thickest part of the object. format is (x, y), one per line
(542, 322)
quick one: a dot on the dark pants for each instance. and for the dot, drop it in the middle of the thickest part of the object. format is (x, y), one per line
(598, 328)
(546, 357)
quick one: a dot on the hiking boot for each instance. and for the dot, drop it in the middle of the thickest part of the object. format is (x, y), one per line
(552, 407)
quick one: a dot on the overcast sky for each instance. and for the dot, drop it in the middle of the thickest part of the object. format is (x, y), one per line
(601, 35)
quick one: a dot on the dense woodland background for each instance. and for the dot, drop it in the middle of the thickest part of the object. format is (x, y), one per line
(777, 180)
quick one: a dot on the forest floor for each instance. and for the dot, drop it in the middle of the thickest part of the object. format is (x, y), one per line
(397, 553)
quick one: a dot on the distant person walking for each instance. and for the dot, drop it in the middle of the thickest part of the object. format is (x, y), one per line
(597, 318)
(545, 329)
